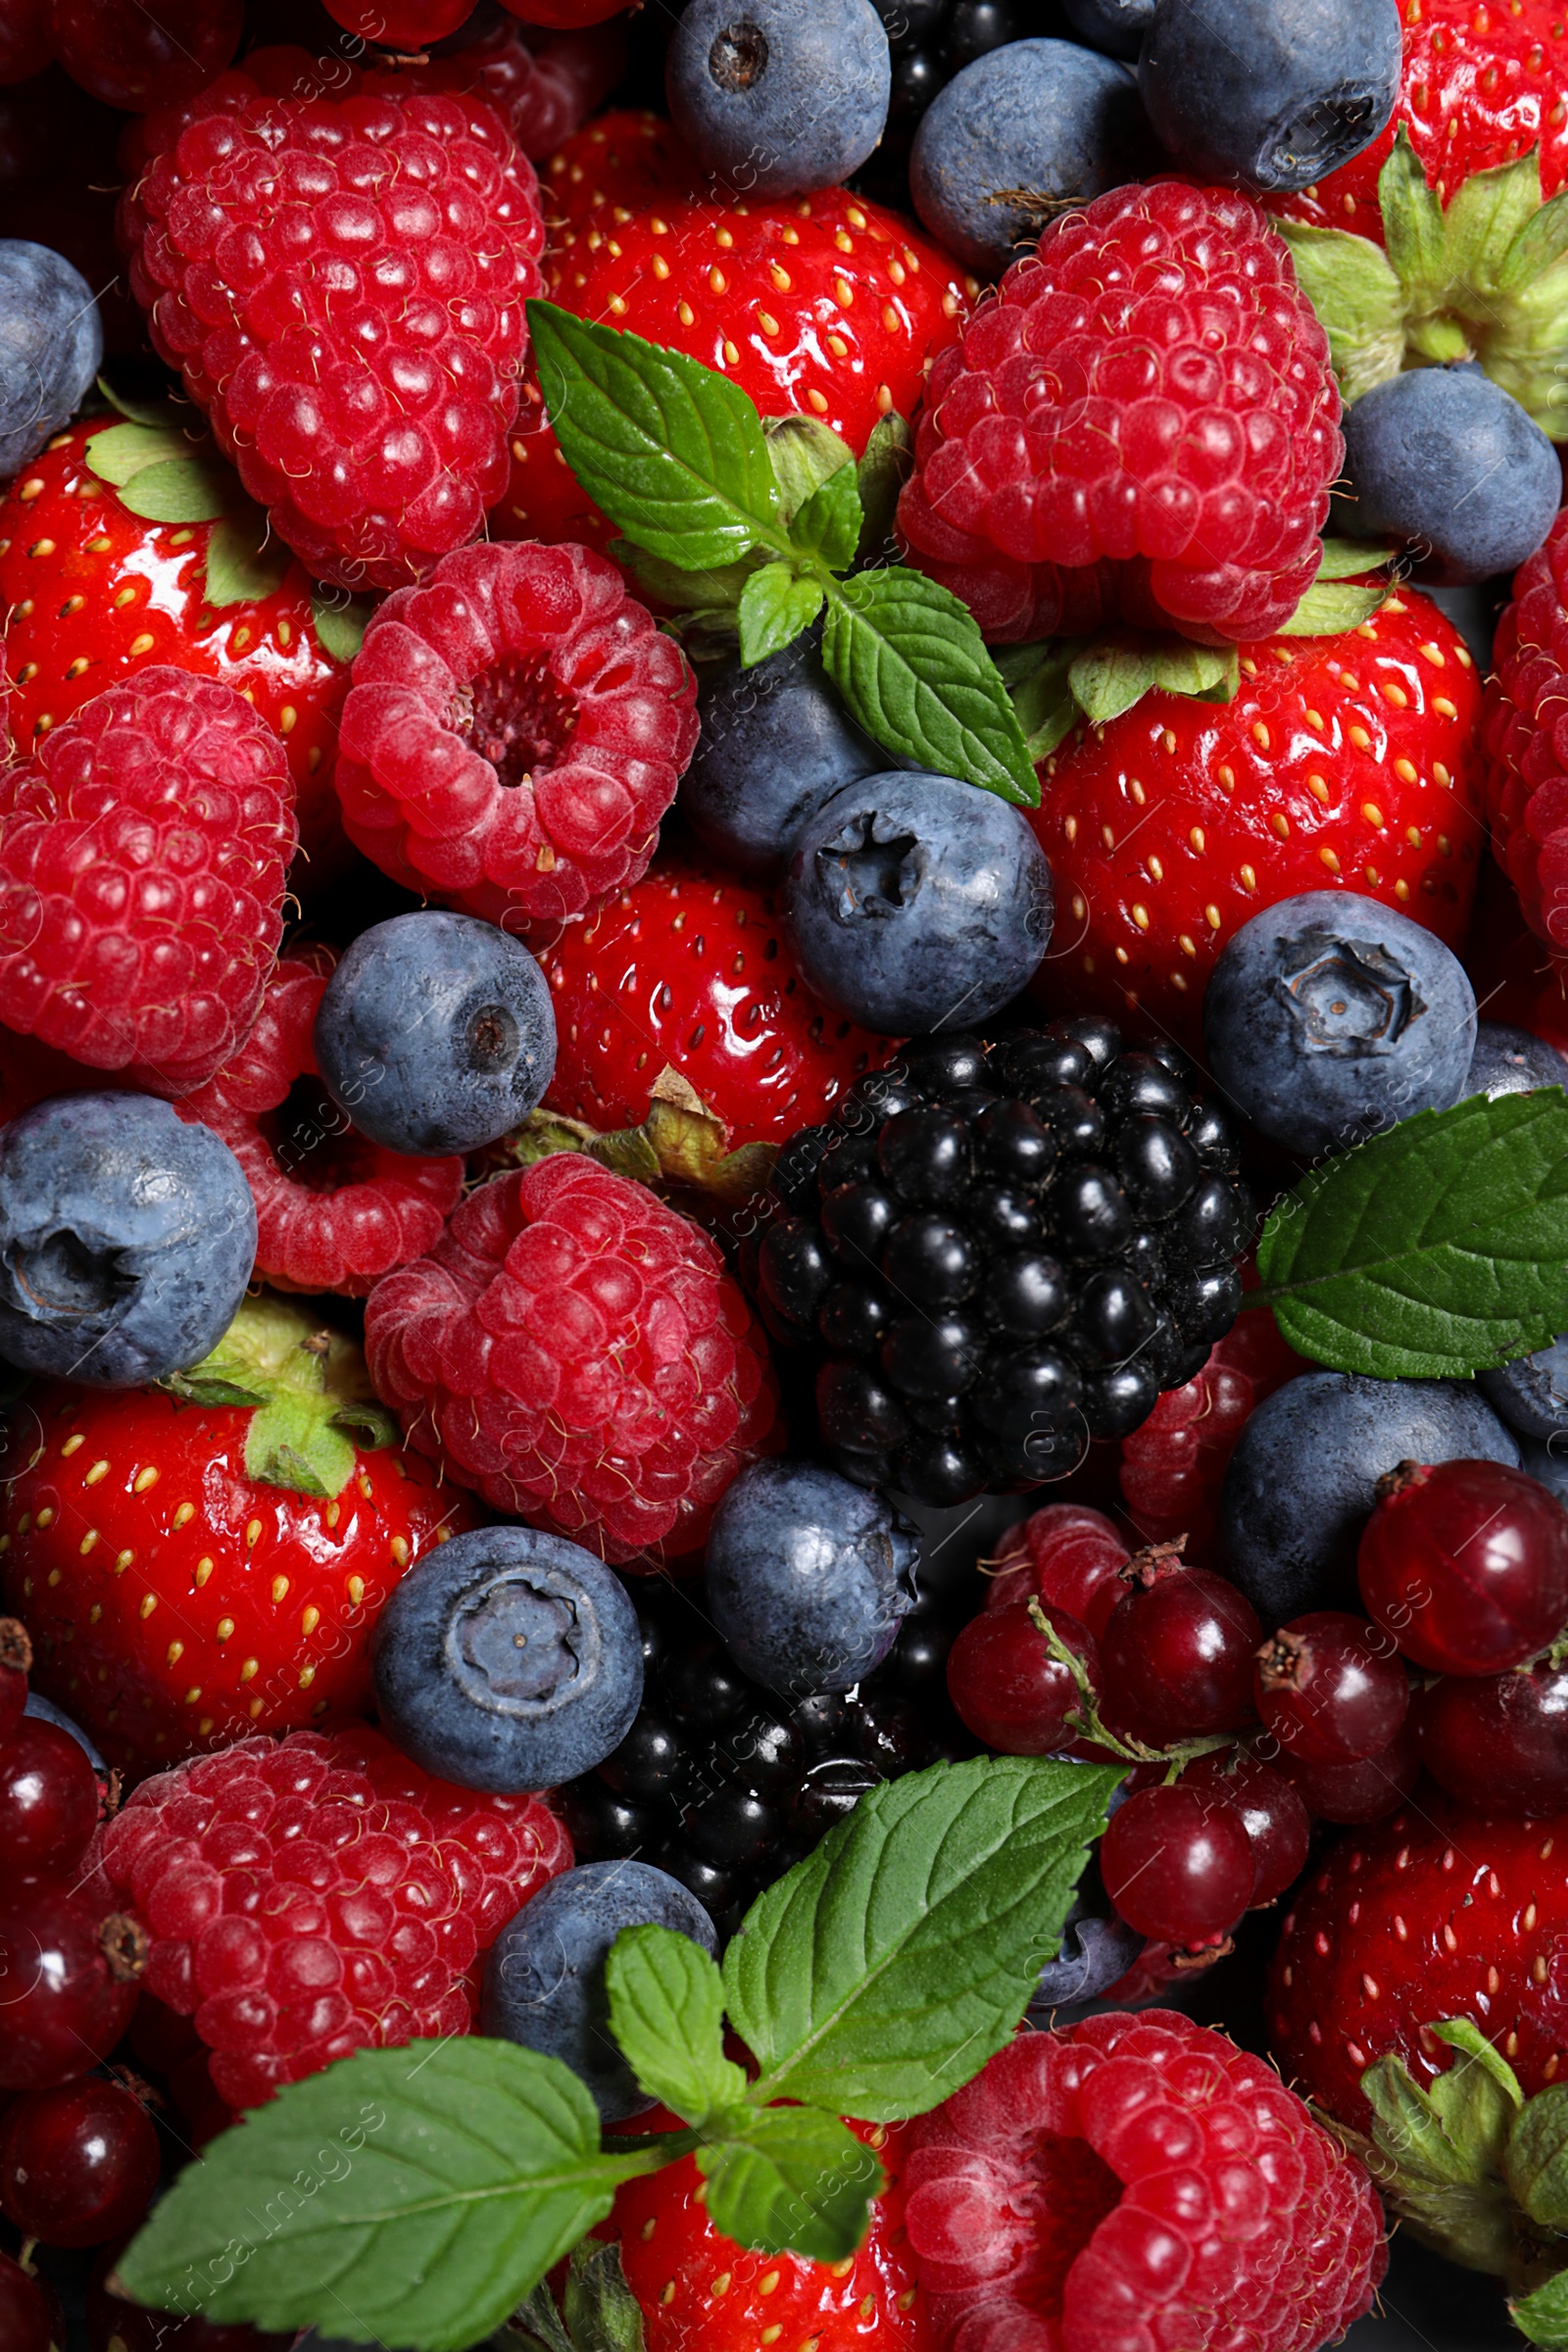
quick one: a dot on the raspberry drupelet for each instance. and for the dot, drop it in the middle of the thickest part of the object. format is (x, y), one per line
(573, 1351)
(1143, 425)
(515, 731)
(1526, 742)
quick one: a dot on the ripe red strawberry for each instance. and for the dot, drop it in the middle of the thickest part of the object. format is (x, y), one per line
(618, 164)
(91, 589)
(826, 306)
(678, 1007)
(701, 2292)
(192, 1570)
(1436, 1913)
(1350, 760)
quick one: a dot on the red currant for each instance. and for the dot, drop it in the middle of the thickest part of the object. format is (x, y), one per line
(1178, 1650)
(400, 23)
(1271, 1812)
(1177, 1865)
(114, 2326)
(1006, 1687)
(160, 2037)
(78, 2163)
(68, 1983)
(48, 1797)
(24, 48)
(1068, 1556)
(30, 2317)
(1498, 1740)
(16, 1664)
(1466, 1565)
(139, 58)
(562, 15)
(1356, 1793)
(1331, 1688)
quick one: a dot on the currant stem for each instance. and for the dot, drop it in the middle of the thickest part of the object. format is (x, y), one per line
(1087, 1721)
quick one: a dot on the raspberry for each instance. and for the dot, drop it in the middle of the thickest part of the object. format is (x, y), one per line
(1173, 1467)
(1526, 743)
(341, 281)
(141, 879)
(1066, 1554)
(1134, 2181)
(576, 1352)
(1143, 424)
(334, 1211)
(320, 1895)
(515, 731)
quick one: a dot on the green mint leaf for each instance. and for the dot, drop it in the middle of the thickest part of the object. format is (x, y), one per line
(686, 591)
(340, 623)
(1352, 287)
(415, 2193)
(1331, 607)
(882, 1972)
(886, 465)
(804, 452)
(1542, 2318)
(1110, 676)
(670, 450)
(796, 2181)
(776, 605)
(244, 562)
(1435, 1251)
(1347, 559)
(912, 666)
(602, 2312)
(666, 2011)
(829, 523)
(1041, 690)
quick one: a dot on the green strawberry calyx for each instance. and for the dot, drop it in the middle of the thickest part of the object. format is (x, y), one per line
(306, 1388)
(597, 2311)
(682, 1143)
(1486, 278)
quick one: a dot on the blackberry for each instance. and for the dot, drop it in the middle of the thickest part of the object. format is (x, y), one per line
(931, 40)
(724, 1784)
(1004, 1249)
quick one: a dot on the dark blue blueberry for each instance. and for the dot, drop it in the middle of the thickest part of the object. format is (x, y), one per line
(1304, 1478)
(1041, 117)
(1513, 1062)
(436, 1033)
(1546, 1459)
(1095, 1952)
(776, 97)
(807, 1576)
(508, 1661)
(51, 347)
(1118, 27)
(1269, 94)
(544, 1980)
(1446, 464)
(916, 902)
(37, 1704)
(777, 743)
(1330, 1018)
(126, 1240)
(1532, 1393)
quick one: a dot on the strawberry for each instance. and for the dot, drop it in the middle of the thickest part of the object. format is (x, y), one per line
(621, 163)
(701, 2292)
(198, 1565)
(679, 1011)
(94, 586)
(1350, 759)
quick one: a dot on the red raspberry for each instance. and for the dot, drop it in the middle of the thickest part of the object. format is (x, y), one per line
(1173, 1466)
(142, 861)
(515, 731)
(1144, 423)
(575, 1351)
(1069, 1556)
(1131, 2183)
(1527, 740)
(320, 1896)
(341, 280)
(334, 1211)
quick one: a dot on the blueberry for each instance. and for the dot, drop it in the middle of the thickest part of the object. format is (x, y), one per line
(51, 347)
(1448, 464)
(1328, 1017)
(908, 23)
(1532, 1393)
(436, 1033)
(1302, 1479)
(544, 1980)
(37, 1704)
(777, 743)
(1096, 1951)
(1041, 121)
(1546, 1459)
(128, 1236)
(1269, 94)
(777, 97)
(1118, 27)
(1513, 1062)
(807, 1576)
(507, 1661)
(916, 902)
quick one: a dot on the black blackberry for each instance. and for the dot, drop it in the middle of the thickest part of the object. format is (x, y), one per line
(725, 1784)
(1006, 1250)
(931, 40)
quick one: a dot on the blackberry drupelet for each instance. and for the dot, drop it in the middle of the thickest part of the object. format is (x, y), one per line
(1006, 1249)
(724, 1784)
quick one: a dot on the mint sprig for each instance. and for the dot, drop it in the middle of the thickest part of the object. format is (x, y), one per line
(677, 457)
(421, 2194)
(1438, 1250)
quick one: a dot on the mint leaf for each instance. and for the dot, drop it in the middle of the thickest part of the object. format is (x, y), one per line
(886, 465)
(1543, 2316)
(416, 2194)
(670, 450)
(1435, 1251)
(666, 2011)
(797, 2182)
(776, 605)
(911, 665)
(1042, 696)
(829, 523)
(883, 1971)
